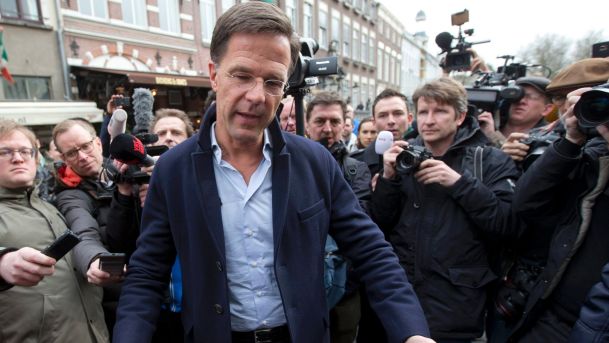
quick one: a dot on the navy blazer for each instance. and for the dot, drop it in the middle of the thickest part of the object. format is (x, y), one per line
(310, 198)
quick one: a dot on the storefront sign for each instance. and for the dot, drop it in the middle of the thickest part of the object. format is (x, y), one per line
(171, 81)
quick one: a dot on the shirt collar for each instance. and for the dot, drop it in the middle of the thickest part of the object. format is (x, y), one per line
(267, 146)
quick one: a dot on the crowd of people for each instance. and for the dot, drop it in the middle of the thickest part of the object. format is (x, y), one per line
(457, 230)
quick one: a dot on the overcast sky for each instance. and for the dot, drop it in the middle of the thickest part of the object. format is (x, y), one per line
(509, 24)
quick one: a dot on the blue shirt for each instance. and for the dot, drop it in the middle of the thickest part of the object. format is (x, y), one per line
(247, 217)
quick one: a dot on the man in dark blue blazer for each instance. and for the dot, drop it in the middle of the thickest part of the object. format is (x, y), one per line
(247, 210)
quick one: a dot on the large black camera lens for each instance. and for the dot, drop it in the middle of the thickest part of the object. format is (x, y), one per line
(592, 109)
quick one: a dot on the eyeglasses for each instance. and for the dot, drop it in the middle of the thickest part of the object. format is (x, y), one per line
(246, 81)
(25, 153)
(532, 96)
(86, 148)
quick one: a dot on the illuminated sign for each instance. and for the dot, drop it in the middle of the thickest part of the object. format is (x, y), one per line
(171, 81)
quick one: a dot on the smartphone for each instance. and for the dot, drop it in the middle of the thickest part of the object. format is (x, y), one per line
(112, 263)
(124, 101)
(62, 245)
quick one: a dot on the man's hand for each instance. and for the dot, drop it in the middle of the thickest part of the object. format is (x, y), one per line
(26, 267)
(603, 130)
(574, 134)
(124, 188)
(436, 171)
(99, 277)
(513, 146)
(110, 108)
(419, 339)
(487, 123)
(389, 159)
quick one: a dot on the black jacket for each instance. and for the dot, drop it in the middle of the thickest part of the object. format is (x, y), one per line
(440, 234)
(557, 190)
(369, 156)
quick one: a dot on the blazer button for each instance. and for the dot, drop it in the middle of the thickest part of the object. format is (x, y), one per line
(219, 266)
(416, 205)
(218, 308)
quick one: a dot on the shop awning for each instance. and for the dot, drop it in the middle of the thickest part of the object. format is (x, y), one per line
(34, 113)
(140, 77)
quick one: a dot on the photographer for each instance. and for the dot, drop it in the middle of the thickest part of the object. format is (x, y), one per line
(440, 215)
(523, 116)
(325, 123)
(565, 188)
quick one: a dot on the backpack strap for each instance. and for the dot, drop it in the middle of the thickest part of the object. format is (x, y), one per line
(349, 166)
(478, 163)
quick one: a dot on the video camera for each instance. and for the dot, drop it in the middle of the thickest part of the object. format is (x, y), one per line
(305, 74)
(495, 91)
(457, 57)
(308, 68)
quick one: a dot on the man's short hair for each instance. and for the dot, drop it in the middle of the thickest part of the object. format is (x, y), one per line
(172, 112)
(67, 124)
(388, 93)
(444, 91)
(326, 99)
(253, 17)
(8, 126)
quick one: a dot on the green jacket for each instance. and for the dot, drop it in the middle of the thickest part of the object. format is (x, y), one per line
(63, 307)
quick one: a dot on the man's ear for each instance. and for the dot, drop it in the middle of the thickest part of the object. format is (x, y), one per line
(213, 73)
(547, 109)
(461, 118)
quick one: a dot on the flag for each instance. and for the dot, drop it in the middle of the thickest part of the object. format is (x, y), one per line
(4, 62)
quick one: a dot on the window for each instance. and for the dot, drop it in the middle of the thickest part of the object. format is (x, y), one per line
(346, 38)
(307, 25)
(379, 65)
(208, 18)
(323, 28)
(134, 12)
(386, 66)
(336, 28)
(356, 44)
(372, 48)
(292, 12)
(94, 8)
(21, 9)
(28, 88)
(169, 15)
(365, 47)
(226, 4)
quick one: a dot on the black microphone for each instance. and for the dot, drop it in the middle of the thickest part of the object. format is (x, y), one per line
(444, 40)
(127, 149)
(143, 101)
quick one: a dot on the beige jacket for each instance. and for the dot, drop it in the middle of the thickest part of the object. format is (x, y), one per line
(63, 307)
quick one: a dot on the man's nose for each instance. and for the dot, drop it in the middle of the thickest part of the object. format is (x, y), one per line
(256, 94)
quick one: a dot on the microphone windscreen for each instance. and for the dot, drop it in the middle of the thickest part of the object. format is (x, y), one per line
(129, 150)
(384, 140)
(118, 123)
(444, 40)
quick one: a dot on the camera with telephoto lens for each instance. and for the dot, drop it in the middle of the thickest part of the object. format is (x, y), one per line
(410, 159)
(592, 108)
(514, 292)
(538, 143)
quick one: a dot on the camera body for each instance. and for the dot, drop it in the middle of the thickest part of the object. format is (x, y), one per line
(538, 143)
(592, 108)
(410, 159)
(514, 292)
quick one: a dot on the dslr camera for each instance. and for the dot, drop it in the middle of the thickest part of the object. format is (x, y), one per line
(592, 108)
(538, 143)
(514, 292)
(410, 159)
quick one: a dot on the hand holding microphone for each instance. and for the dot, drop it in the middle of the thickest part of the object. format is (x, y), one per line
(117, 124)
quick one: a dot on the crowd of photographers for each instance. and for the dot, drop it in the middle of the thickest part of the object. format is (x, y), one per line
(499, 225)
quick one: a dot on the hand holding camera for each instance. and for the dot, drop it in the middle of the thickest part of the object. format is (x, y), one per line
(389, 158)
(436, 171)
